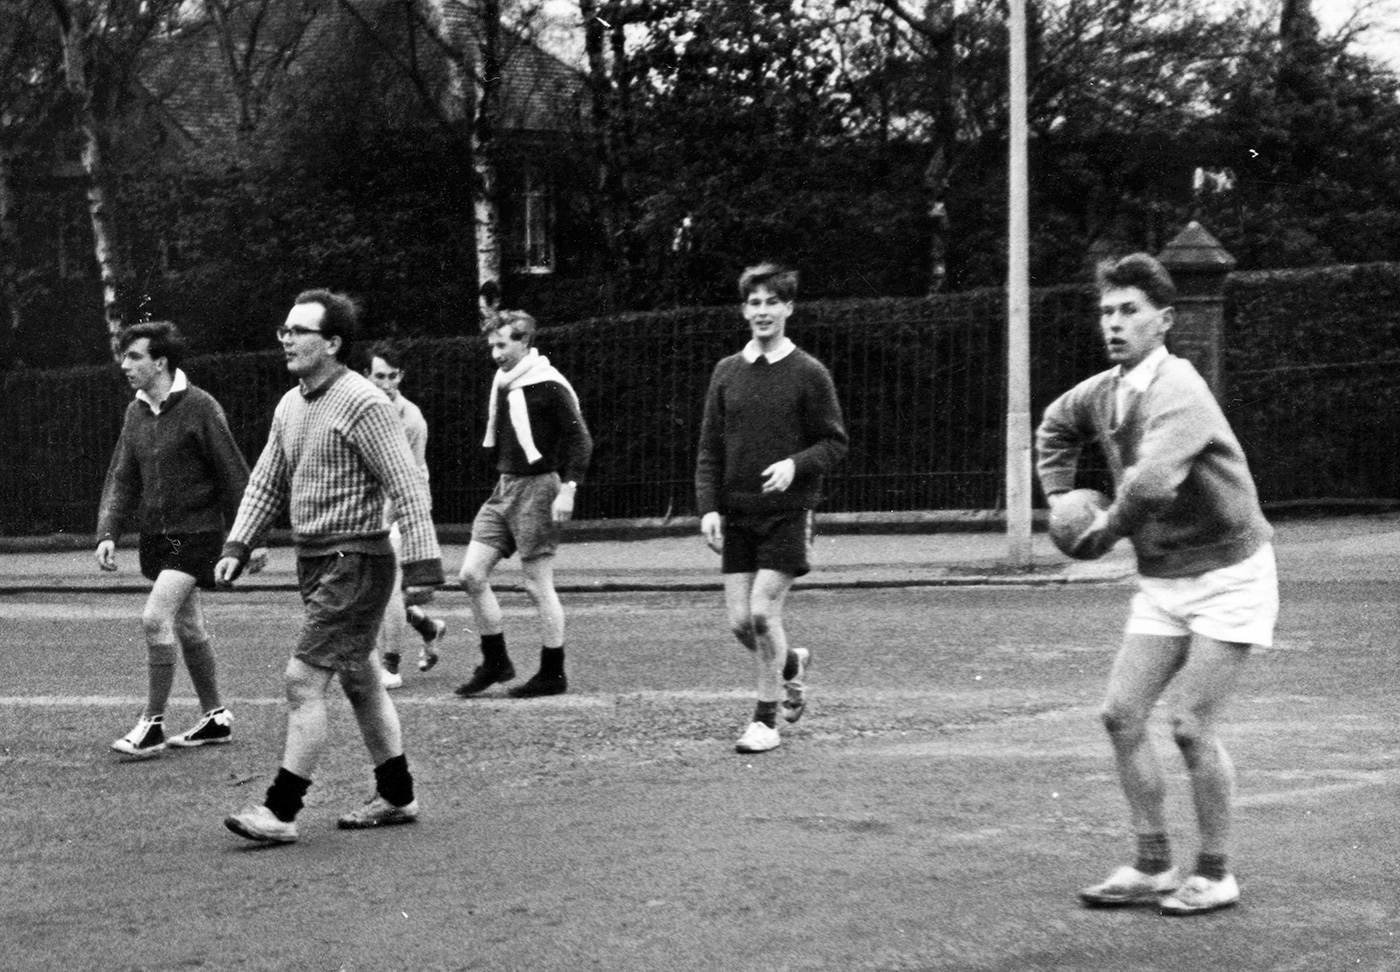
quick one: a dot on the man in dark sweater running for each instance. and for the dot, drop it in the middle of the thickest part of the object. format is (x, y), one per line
(177, 468)
(542, 451)
(772, 429)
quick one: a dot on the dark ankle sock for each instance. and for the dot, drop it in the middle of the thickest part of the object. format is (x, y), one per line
(1211, 866)
(284, 796)
(1154, 853)
(421, 623)
(393, 781)
(493, 649)
(766, 713)
(552, 661)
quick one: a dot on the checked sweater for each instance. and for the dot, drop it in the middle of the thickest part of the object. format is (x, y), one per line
(760, 413)
(336, 455)
(179, 471)
(1183, 491)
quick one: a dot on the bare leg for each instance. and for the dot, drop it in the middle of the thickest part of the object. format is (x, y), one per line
(539, 584)
(306, 717)
(475, 578)
(199, 655)
(375, 713)
(1206, 683)
(168, 596)
(1144, 666)
(766, 599)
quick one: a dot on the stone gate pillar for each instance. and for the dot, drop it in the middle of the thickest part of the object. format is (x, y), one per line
(1199, 265)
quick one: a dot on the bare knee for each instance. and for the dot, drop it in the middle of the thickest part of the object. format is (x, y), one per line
(474, 580)
(1191, 734)
(1123, 724)
(157, 627)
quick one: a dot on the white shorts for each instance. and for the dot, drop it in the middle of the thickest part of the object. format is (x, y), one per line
(1237, 604)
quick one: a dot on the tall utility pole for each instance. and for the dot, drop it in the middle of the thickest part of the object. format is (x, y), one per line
(1018, 358)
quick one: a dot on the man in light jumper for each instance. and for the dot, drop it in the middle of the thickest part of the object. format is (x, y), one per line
(1207, 587)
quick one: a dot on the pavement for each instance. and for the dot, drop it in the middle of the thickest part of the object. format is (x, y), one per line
(851, 553)
(593, 559)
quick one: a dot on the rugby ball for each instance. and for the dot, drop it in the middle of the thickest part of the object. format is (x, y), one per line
(1073, 514)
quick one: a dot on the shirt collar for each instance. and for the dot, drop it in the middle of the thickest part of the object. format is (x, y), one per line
(1144, 371)
(179, 384)
(785, 347)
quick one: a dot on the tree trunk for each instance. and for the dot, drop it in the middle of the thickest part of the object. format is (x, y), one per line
(487, 85)
(101, 211)
(607, 139)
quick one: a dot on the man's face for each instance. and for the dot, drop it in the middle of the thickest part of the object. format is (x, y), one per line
(385, 376)
(303, 345)
(506, 349)
(141, 370)
(1132, 327)
(767, 314)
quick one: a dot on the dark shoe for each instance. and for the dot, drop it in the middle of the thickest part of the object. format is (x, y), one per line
(541, 684)
(484, 677)
(215, 728)
(145, 741)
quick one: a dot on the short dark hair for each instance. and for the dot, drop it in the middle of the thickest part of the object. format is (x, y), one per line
(520, 324)
(166, 341)
(1143, 272)
(341, 318)
(777, 278)
(387, 350)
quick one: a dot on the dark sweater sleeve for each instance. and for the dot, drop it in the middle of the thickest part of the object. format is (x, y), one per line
(122, 487)
(575, 442)
(709, 461)
(825, 428)
(230, 468)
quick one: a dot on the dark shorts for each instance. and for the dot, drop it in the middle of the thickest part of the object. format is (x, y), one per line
(189, 553)
(519, 516)
(345, 596)
(767, 541)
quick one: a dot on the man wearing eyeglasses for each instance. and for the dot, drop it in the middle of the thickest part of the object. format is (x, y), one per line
(337, 455)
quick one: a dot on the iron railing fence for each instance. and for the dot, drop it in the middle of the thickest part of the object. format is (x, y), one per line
(922, 383)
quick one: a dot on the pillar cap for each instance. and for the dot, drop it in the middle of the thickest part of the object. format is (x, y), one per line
(1194, 250)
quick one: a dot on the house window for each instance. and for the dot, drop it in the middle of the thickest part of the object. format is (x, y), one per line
(532, 229)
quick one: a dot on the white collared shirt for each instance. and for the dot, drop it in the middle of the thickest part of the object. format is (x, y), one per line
(179, 384)
(752, 353)
(1136, 380)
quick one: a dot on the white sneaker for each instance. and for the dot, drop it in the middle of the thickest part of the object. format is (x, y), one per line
(391, 680)
(1129, 886)
(260, 823)
(794, 671)
(145, 741)
(1200, 894)
(758, 738)
(378, 812)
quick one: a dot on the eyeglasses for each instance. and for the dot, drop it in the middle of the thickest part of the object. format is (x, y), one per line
(297, 330)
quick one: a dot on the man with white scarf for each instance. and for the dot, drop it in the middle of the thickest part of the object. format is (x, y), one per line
(542, 448)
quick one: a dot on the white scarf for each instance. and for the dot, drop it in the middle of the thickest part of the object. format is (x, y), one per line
(532, 369)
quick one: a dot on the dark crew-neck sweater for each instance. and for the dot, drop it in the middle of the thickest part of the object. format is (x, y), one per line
(760, 413)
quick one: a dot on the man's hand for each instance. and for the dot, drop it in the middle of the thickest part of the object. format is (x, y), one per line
(416, 595)
(563, 508)
(712, 529)
(257, 560)
(778, 477)
(1098, 539)
(226, 571)
(106, 555)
